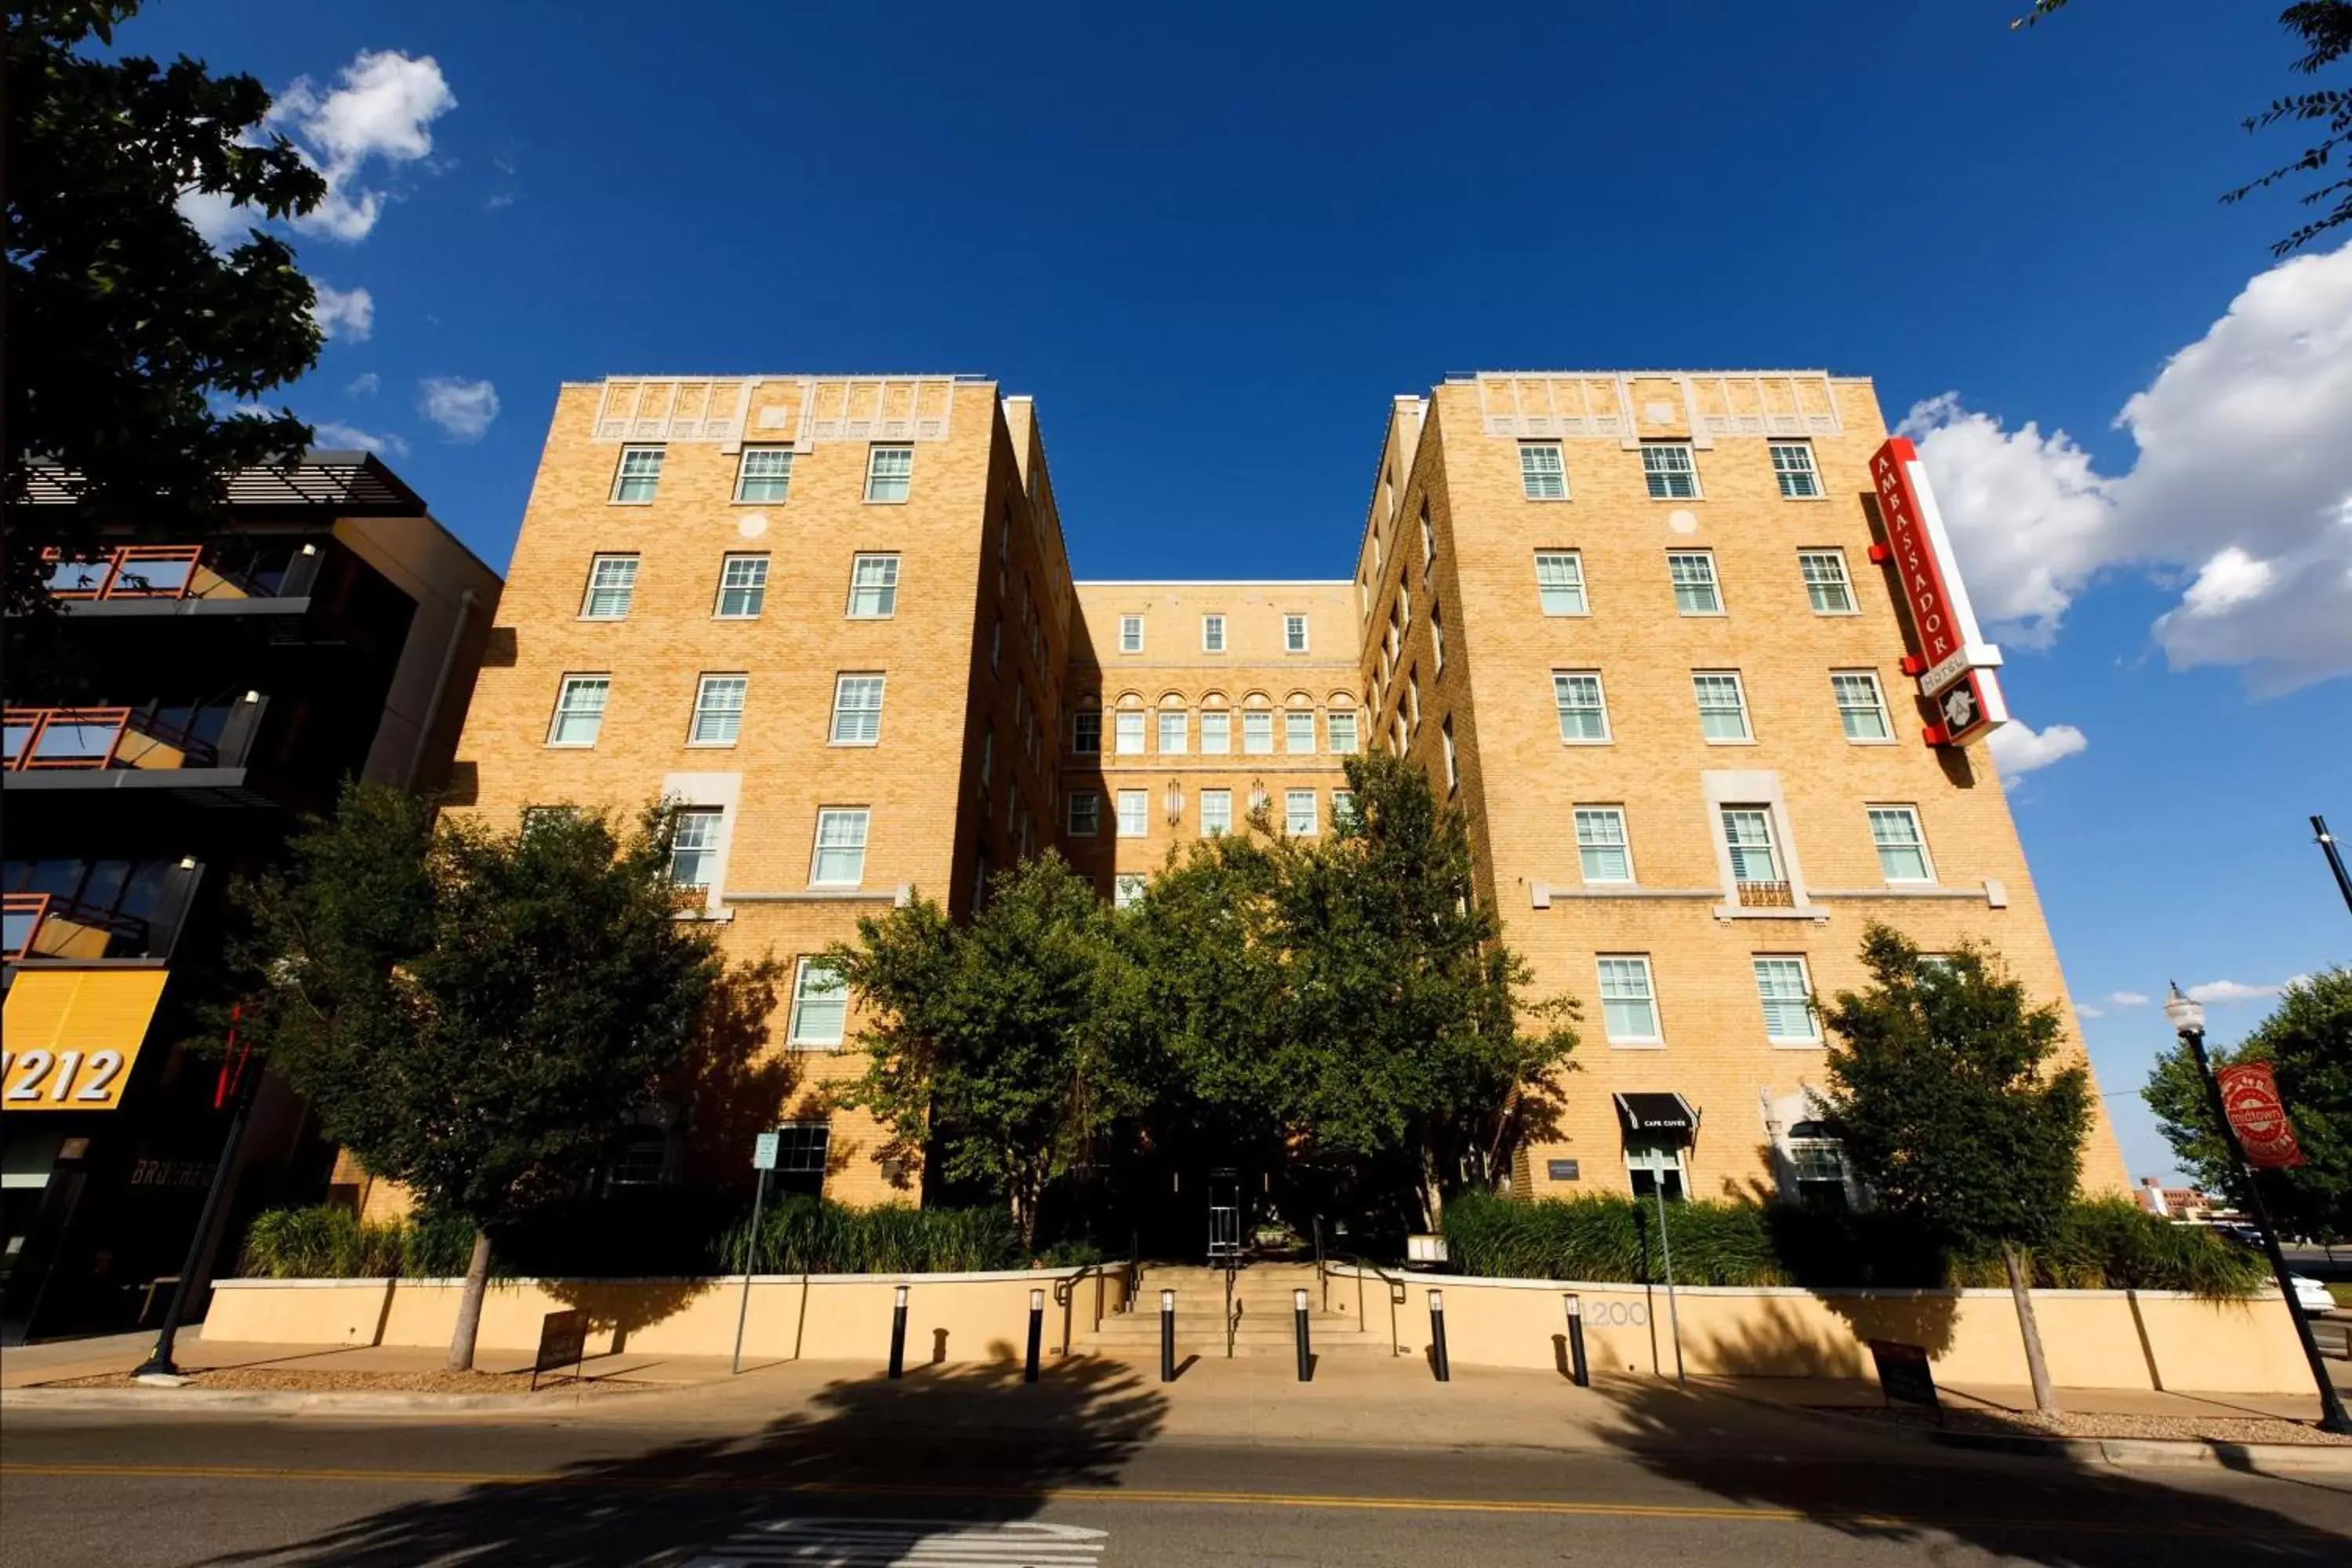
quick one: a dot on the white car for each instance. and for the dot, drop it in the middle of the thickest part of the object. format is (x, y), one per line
(2310, 1294)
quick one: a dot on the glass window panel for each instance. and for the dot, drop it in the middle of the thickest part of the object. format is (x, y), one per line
(1134, 813)
(1787, 997)
(1748, 833)
(1543, 476)
(820, 1008)
(1085, 733)
(840, 849)
(1667, 469)
(612, 585)
(1694, 588)
(873, 586)
(1601, 844)
(1298, 811)
(1257, 733)
(1299, 730)
(580, 709)
(1792, 464)
(1826, 583)
(1901, 847)
(889, 472)
(1341, 728)
(1086, 813)
(857, 710)
(1560, 581)
(640, 474)
(1127, 889)
(1628, 1009)
(1860, 710)
(1216, 733)
(1175, 730)
(1129, 733)
(766, 474)
(1294, 634)
(694, 846)
(742, 586)
(1582, 716)
(1722, 711)
(719, 709)
(1216, 812)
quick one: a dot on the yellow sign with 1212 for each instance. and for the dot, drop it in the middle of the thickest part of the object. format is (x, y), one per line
(73, 1034)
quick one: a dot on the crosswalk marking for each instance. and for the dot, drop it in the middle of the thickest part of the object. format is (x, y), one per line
(920, 1543)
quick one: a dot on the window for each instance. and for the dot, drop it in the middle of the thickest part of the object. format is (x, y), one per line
(1655, 1171)
(1818, 1162)
(1085, 733)
(997, 644)
(1543, 476)
(1722, 707)
(718, 710)
(1861, 707)
(1257, 733)
(1128, 731)
(1086, 813)
(612, 585)
(694, 846)
(987, 757)
(1792, 464)
(1131, 634)
(1747, 834)
(1628, 1010)
(1341, 728)
(1216, 733)
(1901, 847)
(840, 847)
(579, 710)
(1428, 543)
(873, 587)
(1294, 634)
(1600, 845)
(1560, 581)
(1583, 717)
(1212, 634)
(639, 475)
(1826, 582)
(742, 586)
(1343, 807)
(1453, 773)
(1437, 638)
(889, 471)
(1134, 813)
(1298, 729)
(765, 474)
(1216, 812)
(1788, 997)
(1175, 730)
(820, 1007)
(801, 1151)
(1298, 812)
(1667, 469)
(1127, 889)
(1412, 698)
(1692, 572)
(857, 710)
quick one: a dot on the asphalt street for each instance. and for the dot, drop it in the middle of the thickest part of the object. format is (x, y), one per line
(147, 1490)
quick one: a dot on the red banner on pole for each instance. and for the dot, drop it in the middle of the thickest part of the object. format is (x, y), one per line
(2250, 1098)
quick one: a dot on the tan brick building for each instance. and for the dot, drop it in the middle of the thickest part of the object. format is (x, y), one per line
(1630, 620)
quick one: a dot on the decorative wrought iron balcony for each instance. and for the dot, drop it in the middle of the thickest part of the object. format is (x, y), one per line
(1766, 896)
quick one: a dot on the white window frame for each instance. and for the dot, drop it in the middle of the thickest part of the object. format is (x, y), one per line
(1630, 964)
(1776, 861)
(1127, 889)
(1869, 678)
(647, 473)
(1127, 732)
(1770, 996)
(1131, 634)
(601, 685)
(1574, 561)
(1176, 723)
(1085, 814)
(1134, 813)
(880, 484)
(857, 714)
(625, 565)
(886, 561)
(709, 690)
(1679, 563)
(706, 853)
(1337, 722)
(1257, 731)
(755, 564)
(1841, 579)
(1343, 807)
(1216, 731)
(1559, 679)
(1598, 843)
(1808, 471)
(1436, 639)
(1079, 732)
(807, 988)
(1294, 634)
(1298, 814)
(1659, 479)
(1291, 728)
(745, 478)
(1453, 766)
(859, 817)
(1220, 822)
(1212, 634)
(1872, 814)
(1746, 736)
(1535, 483)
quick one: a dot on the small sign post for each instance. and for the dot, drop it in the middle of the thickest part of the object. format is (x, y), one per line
(763, 1160)
(562, 1340)
(1904, 1373)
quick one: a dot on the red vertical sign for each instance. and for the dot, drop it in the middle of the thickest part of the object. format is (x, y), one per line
(2250, 1098)
(1932, 615)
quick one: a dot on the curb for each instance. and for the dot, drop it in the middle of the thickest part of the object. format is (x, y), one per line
(2304, 1459)
(271, 1401)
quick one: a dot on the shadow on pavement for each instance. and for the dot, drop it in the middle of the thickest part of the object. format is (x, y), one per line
(922, 1457)
(1899, 1491)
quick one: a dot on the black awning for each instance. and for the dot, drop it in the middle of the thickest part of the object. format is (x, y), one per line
(1657, 1117)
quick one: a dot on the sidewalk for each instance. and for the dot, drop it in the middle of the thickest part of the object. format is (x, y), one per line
(29, 1366)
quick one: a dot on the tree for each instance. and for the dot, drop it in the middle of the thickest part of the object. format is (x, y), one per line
(2324, 27)
(1952, 1110)
(2308, 1043)
(474, 1014)
(985, 1041)
(124, 325)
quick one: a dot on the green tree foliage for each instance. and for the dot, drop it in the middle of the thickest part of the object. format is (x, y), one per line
(2308, 1043)
(473, 1014)
(123, 324)
(2323, 30)
(1945, 1094)
(986, 1045)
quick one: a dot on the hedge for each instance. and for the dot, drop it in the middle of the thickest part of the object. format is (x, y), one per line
(330, 1243)
(2104, 1244)
(807, 1235)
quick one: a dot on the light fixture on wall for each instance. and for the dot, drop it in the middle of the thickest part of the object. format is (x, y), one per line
(1173, 801)
(1258, 797)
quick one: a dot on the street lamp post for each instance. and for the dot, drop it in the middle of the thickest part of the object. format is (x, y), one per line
(2189, 1022)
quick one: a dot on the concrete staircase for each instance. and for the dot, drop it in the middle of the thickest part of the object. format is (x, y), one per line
(1264, 1311)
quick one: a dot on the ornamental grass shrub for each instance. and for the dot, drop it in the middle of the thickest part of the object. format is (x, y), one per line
(809, 1235)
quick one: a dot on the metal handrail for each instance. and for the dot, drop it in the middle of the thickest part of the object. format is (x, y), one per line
(1363, 1266)
(1065, 1291)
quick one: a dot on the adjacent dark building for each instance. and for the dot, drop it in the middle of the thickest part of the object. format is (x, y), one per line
(165, 728)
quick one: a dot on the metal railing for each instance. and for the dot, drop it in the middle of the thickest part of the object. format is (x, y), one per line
(1130, 1273)
(1362, 1267)
(1766, 896)
(97, 738)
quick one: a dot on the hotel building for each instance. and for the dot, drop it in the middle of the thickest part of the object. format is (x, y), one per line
(1637, 624)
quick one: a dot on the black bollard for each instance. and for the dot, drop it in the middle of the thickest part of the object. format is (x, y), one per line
(1167, 1336)
(1437, 1337)
(1578, 1372)
(899, 1332)
(1036, 1333)
(1305, 1355)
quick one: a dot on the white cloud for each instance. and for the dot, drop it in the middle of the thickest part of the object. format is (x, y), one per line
(221, 221)
(2085, 1010)
(349, 314)
(2019, 748)
(2127, 999)
(2242, 475)
(339, 436)
(2227, 990)
(381, 110)
(366, 384)
(462, 408)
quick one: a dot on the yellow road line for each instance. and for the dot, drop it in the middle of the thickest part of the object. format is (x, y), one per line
(523, 1479)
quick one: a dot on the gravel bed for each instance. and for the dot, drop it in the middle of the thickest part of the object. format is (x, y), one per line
(2073, 1423)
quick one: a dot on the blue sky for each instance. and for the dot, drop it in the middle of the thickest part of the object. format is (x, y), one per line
(1206, 218)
